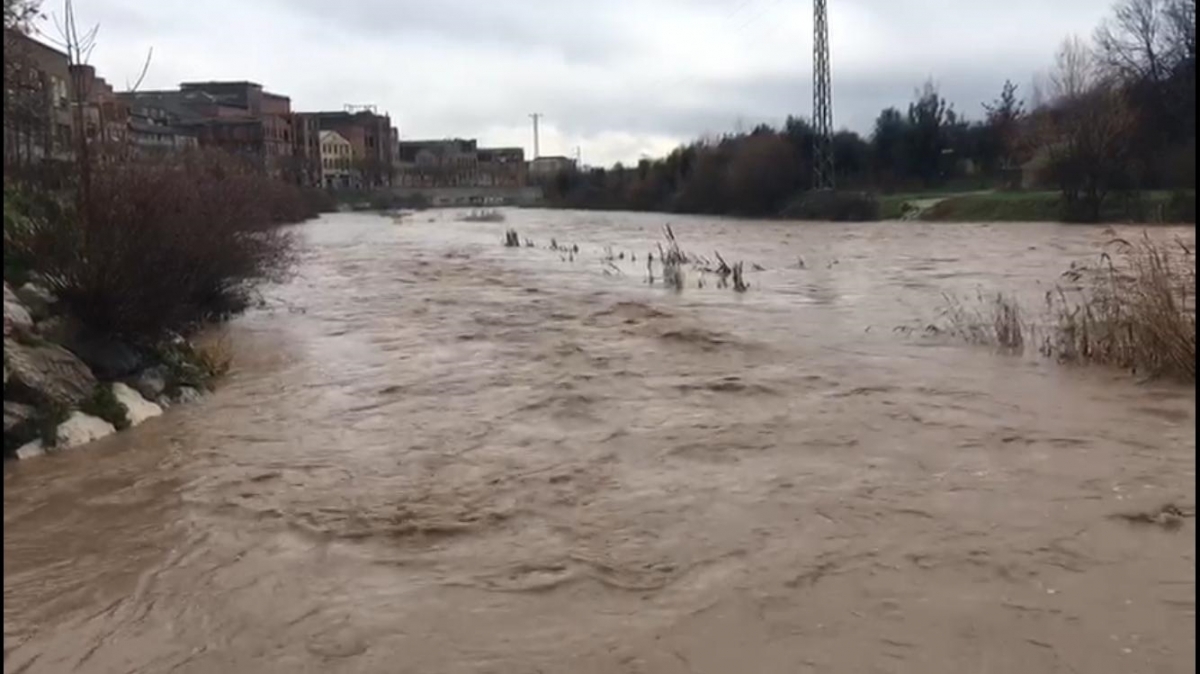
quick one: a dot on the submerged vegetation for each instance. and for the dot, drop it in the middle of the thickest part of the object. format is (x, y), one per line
(1134, 310)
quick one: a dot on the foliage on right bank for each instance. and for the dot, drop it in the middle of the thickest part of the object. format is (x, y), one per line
(1112, 118)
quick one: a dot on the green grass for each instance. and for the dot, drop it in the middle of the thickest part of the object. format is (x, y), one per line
(1046, 206)
(998, 207)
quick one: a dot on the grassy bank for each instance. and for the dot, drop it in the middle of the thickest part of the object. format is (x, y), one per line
(1039, 206)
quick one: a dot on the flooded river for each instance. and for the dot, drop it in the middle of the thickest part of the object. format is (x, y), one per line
(437, 454)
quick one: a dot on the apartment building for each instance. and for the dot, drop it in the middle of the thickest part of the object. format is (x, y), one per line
(338, 164)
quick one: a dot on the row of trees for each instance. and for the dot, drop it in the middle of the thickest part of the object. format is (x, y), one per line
(1114, 114)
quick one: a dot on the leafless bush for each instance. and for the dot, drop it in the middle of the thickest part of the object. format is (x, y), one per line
(162, 245)
(1137, 311)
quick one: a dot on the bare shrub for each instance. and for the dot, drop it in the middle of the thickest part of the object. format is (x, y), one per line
(1137, 311)
(673, 259)
(163, 245)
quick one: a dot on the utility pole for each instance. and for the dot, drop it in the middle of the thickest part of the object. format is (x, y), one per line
(822, 101)
(578, 158)
(535, 116)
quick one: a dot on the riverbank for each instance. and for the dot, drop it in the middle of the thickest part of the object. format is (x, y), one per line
(66, 385)
(103, 288)
(1148, 208)
(1158, 207)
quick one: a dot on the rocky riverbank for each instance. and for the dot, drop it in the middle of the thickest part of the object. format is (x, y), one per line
(65, 386)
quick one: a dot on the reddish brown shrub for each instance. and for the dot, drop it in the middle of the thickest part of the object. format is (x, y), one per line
(164, 244)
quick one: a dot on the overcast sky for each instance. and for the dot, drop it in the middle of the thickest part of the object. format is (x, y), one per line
(617, 78)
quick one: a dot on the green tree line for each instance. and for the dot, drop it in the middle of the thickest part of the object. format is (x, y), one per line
(1114, 115)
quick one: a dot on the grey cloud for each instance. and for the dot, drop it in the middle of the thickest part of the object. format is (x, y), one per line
(618, 69)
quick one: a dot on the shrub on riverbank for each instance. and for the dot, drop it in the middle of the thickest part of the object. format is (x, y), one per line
(160, 245)
(830, 206)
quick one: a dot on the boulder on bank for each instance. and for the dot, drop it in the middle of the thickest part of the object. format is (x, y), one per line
(17, 320)
(47, 374)
(109, 358)
(78, 429)
(39, 301)
(137, 408)
(151, 382)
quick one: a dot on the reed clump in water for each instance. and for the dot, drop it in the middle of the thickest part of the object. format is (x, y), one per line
(1136, 311)
(994, 320)
(672, 259)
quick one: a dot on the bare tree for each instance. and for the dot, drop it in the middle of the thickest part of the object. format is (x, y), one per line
(1074, 70)
(1086, 133)
(1181, 29)
(1133, 43)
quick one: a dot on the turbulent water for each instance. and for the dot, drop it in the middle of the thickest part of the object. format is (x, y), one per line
(438, 454)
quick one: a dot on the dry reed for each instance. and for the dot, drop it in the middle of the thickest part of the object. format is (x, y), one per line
(1136, 311)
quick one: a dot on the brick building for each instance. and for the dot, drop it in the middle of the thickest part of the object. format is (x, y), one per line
(372, 138)
(457, 162)
(37, 107)
(237, 117)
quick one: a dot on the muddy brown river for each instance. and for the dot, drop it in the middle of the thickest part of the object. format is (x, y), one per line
(437, 454)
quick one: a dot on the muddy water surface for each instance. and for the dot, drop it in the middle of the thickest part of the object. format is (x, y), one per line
(436, 454)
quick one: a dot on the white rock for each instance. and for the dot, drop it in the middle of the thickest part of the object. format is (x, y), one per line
(16, 316)
(39, 301)
(30, 450)
(137, 408)
(80, 429)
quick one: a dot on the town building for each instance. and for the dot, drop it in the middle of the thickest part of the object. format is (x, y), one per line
(338, 166)
(545, 168)
(436, 163)
(502, 167)
(372, 137)
(37, 105)
(456, 162)
(238, 117)
(306, 149)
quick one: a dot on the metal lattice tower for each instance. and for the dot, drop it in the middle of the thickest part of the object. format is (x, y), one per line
(822, 101)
